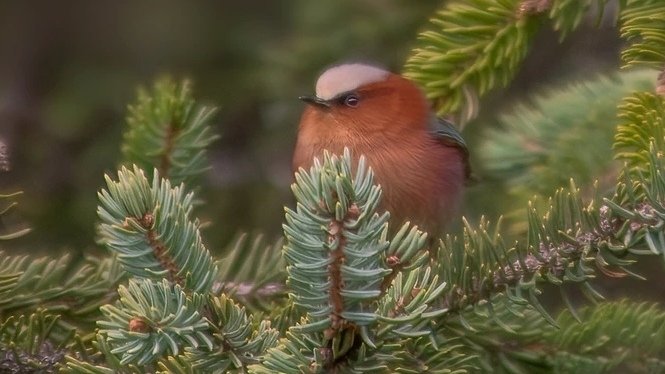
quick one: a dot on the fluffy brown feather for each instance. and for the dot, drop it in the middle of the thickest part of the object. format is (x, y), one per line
(422, 178)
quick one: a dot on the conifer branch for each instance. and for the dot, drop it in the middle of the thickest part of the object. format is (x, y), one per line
(253, 273)
(172, 133)
(337, 259)
(642, 123)
(75, 292)
(537, 146)
(151, 319)
(324, 223)
(591, 340)
(4, 210)
(643, 28)
(566, 15)
(564, 245)
(491, 268)
(100, 360)
(237, 342)
(572, 237)
(149, 227)
(404, 253)
(474, 46)
(168, 131)
(159, 249)
(470, 47)
(634, 345)
(33, 343)
(336, 211)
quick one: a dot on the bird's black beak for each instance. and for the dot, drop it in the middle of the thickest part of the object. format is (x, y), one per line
(309, 99)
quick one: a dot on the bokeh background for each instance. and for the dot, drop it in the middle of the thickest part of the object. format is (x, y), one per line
(69, 68)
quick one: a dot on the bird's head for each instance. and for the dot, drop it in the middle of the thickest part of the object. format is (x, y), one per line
(365, 100)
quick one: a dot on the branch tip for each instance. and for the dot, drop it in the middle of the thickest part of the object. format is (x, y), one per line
(531, 7)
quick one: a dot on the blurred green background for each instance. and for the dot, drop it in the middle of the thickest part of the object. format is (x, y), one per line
(68, 69)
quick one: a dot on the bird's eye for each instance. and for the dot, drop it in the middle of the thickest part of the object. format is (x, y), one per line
(351, 100)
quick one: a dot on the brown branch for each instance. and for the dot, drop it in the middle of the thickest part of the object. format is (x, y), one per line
(335, 234)
(169, 142)
(159, 249)
(550, 259)
(396, 265)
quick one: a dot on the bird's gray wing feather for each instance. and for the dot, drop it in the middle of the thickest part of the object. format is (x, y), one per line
(446, 132)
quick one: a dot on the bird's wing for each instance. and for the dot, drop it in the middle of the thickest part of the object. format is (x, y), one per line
(448, 135)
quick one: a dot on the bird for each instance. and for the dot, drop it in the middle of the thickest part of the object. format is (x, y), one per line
(420, 161)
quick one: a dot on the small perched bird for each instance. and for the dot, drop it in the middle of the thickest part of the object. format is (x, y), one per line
(421, 162)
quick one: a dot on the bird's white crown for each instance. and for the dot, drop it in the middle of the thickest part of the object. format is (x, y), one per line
(343, 78)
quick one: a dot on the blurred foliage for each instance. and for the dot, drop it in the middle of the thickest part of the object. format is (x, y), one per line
(69, 69)
(537, 146)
